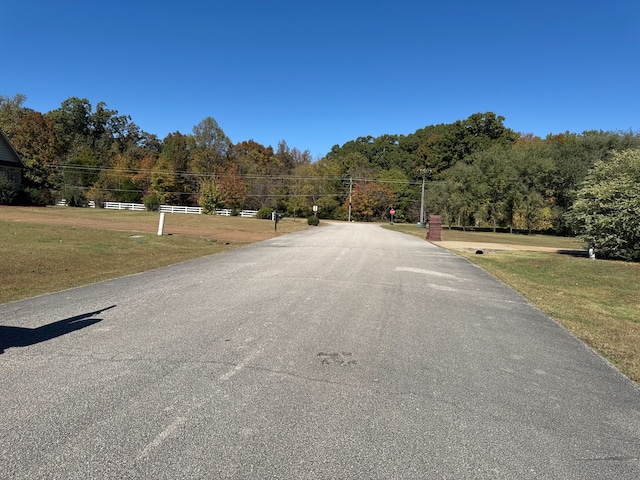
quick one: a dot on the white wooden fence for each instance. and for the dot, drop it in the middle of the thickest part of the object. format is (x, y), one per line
(242, 213)
(180, 209)
(139, 207)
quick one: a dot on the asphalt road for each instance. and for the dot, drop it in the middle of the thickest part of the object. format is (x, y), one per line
(346, 351)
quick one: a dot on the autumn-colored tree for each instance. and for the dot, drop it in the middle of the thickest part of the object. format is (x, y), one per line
(250, 156)
(142, 177)
(301, 157)
(35, 139)
(258, 164)
(370, 201)
(232, 188)
(11, 112)
(175, 156)
(284, 158)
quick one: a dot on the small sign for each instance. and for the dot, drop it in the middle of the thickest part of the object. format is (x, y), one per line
(392, 211)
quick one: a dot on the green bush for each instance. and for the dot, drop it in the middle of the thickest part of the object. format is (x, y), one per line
(606, 208)
(8, 191)
(313, 221)
(210, 199)
(36, 196)
(152, 202)
(74, 196)
(97, 197)
(264, 213)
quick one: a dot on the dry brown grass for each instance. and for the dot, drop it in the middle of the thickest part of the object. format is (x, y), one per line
(48, 249)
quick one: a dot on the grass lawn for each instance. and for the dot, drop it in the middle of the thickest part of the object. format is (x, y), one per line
(50, 249)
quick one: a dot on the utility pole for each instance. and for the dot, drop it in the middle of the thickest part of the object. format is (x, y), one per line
(422, 205)
(424, 172)
(350, 191)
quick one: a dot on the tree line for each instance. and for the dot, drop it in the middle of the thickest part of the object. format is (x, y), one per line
(477, 172)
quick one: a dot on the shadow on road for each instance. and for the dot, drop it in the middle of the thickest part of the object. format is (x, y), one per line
(23, 337)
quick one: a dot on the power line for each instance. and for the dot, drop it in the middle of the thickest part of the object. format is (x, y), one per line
(181, 173)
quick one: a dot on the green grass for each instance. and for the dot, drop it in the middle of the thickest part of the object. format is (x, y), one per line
(43, 250)
(38, 259)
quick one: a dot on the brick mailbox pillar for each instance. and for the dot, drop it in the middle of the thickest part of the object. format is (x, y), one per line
(435, 227)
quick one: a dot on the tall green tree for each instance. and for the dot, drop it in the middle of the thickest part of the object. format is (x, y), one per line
(531, 194)
(209, 148)
(72, 124)
(462, 184)
(607, 204)
(11, 112)
(404, 194)
(495, 178)
(175, 157)
(575, 154)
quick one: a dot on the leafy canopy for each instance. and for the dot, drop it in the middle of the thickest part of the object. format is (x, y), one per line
(607, 207)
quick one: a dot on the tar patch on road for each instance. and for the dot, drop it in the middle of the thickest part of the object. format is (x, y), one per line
(340, 359)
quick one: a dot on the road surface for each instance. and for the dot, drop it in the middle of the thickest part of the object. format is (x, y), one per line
(347, 351)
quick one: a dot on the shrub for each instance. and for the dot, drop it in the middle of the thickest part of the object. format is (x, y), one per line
(152, 202)
(97, 197)
(36, 196)
(210, 199)
(8, 191)
(74, 196)
(264, 213)
(313, 221)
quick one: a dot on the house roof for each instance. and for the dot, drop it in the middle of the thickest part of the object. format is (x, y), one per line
(8, 155)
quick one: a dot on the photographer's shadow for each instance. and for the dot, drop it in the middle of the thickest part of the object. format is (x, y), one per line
(23, 337)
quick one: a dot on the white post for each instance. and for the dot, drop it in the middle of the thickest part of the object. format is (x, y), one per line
(161, 224)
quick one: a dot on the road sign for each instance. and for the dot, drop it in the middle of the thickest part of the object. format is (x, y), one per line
(392, 211)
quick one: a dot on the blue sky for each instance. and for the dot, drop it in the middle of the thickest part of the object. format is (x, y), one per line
(317, 74)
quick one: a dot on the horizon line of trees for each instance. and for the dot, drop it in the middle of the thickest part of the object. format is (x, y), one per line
(477, 172)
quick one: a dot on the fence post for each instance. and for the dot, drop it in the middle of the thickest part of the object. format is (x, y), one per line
(161, 224)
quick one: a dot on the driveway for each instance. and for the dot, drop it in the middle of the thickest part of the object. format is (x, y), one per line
(348, 351)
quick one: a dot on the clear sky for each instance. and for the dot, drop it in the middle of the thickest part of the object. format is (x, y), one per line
(321, 73)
